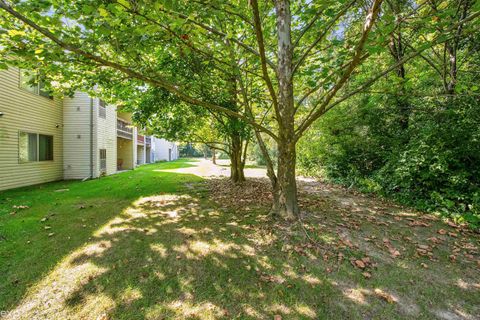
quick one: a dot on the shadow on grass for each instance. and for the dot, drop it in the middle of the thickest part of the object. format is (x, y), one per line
(176, 256)
(40, 225)
(143, 245)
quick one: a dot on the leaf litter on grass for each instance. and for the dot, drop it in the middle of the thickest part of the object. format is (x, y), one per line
(353, 228)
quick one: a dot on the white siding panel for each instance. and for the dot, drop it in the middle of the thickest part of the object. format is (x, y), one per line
(25, 111)
(76, 136)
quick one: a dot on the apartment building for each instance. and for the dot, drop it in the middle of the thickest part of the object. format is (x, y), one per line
(45, 139)
(164, 150)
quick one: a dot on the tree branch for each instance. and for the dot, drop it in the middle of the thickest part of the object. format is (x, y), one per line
(261, 47)
(321, 36)
(158, 81)
(307, 27)
(218, 33)
(357, 58)
(183, 41)
(320, 85)
(241, 16)
(384, 73)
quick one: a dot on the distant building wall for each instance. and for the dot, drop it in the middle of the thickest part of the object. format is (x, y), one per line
(164, 150)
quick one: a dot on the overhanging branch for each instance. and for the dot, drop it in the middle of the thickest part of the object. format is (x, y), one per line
(372, 80)
(158, 81)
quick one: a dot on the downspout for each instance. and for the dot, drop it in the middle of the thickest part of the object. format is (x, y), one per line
(91, 138)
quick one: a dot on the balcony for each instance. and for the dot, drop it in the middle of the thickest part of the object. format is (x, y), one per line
(140, 139)
(124, 129)
(148, 141)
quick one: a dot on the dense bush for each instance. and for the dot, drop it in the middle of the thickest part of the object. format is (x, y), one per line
(432, 164)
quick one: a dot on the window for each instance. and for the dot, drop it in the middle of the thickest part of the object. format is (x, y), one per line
(35, 147)
(31, 82)
(103, 160)
(45, 148)
(102, 111)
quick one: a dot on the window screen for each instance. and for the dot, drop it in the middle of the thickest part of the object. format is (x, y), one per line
(27, 144)
(103, 160)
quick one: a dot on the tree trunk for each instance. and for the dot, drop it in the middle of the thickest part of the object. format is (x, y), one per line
(402, 100)
(214, 156)
(452, 67)
(287, 185)
(397, 51)
(236, 164)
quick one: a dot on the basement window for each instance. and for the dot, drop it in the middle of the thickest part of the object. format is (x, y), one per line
(103, 160)
(33, 147)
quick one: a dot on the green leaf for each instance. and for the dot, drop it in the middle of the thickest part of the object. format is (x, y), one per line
(125, 3)
(103, 12)
(14, 33)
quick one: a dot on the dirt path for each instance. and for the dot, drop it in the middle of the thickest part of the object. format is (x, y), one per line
(206, 169)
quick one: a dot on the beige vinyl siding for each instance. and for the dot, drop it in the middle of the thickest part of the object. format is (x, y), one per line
(25, 111)
(106, 134)
(76, 136)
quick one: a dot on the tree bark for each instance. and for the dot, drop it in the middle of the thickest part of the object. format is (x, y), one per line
(214, 156)
(236, 163)
(287, 185)
(397, 51)
(285, 192)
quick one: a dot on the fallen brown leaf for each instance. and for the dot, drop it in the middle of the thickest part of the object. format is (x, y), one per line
(393, 251)
(359, 264)
(424, 247)
(442, 231)
(385, 296)
(418, 224)
(451, 224)
(422, 252)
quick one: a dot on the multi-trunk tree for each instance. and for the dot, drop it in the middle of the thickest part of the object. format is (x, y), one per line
(298, 56)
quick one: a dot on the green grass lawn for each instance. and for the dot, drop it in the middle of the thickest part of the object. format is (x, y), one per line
(28, 253)
(151, 244)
